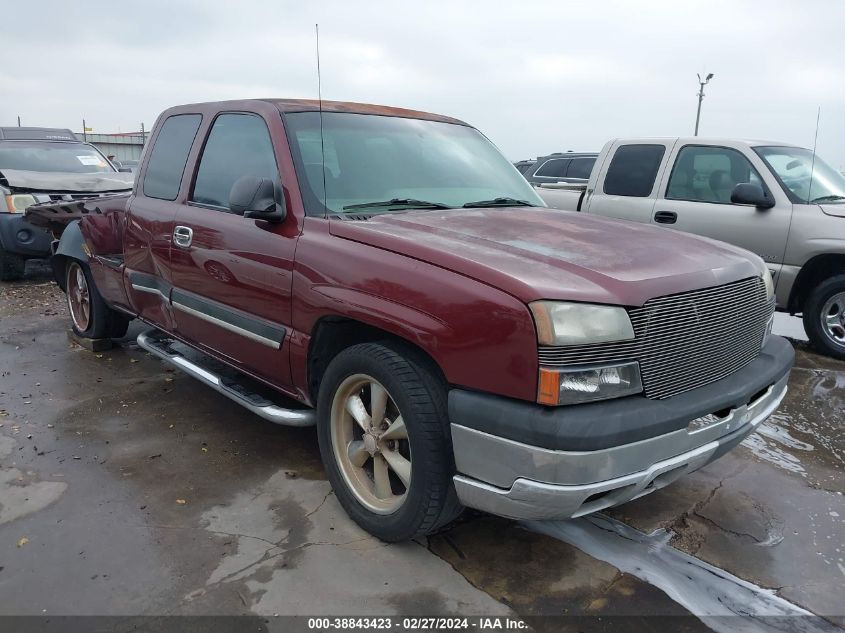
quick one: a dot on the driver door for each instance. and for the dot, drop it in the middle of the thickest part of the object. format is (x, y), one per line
(232, 275)
(696, 197)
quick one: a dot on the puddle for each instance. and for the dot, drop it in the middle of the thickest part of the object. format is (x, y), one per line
(774, 429)
(21, 492)
(706, 591)
(769, 451)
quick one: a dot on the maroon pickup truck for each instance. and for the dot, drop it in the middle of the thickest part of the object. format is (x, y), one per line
(388, 276)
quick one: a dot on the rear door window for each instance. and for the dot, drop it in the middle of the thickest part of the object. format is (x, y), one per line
(163, 176)
(633, 170)
(553, 168)
(580, 168)
(238, 145)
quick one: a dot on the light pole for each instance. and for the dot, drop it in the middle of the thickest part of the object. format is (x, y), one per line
(701, 97)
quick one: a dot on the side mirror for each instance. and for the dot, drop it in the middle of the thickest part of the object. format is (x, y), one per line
(125, 170)
(751, 194)
(257, 198)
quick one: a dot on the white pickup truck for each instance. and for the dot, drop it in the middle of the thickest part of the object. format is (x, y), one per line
(779, 201)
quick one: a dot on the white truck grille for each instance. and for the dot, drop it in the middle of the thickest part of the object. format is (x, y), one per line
(686, 340)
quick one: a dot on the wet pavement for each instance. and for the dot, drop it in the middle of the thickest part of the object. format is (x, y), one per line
(126, 488)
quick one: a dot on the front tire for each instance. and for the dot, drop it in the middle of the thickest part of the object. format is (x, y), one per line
(384, 440)
(824, 317)
(89, 314)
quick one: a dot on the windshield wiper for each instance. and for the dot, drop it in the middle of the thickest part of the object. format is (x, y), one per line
(404, 203)
(832, 198)
(499, 202)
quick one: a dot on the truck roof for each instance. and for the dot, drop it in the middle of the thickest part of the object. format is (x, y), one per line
(705, 140)
(36, 134)
(312, 105)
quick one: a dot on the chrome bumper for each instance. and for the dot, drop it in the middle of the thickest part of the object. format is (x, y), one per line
(511, 479)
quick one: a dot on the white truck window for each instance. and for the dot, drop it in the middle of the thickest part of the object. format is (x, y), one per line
(709, 174)
(633, 169)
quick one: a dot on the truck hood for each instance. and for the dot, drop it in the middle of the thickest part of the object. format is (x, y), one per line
(48, 181)
(537, 253)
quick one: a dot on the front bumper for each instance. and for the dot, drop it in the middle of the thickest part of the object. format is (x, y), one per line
(510, 478)
(22, 238)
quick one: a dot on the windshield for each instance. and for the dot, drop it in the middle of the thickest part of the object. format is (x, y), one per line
(794, 167)
(76, 158)
(371, 159)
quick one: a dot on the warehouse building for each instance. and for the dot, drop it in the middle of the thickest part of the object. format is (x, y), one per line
(120, 147)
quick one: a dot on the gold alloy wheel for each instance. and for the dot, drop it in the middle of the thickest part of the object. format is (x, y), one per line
(78, 297)
(370, 444)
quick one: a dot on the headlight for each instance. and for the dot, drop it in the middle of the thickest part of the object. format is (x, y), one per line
(769, 283)
(560, 323)
(18, 202)
(587, 384)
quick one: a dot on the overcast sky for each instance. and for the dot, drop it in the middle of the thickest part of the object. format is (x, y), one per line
(536, 77)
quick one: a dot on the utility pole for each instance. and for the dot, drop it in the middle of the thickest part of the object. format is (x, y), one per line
(19, 121)
(85, 130)
(143, 135)
(701, 98)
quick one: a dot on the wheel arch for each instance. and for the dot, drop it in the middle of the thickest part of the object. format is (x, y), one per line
(70, 246)
(332, 334)
(811, 275)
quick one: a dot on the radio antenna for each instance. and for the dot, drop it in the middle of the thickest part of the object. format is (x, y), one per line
(320, 106)
(813, 163)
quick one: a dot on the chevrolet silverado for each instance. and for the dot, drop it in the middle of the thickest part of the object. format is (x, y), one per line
(387, 275)
(782, 202)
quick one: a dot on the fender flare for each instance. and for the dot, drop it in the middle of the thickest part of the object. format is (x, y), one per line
(70, 246)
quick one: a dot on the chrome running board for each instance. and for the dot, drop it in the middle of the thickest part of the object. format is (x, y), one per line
(159, 344)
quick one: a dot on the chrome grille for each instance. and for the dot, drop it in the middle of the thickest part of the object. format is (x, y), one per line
(686, 340)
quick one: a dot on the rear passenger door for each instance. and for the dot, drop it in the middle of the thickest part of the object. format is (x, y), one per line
(696, 197)
(232, 275)
(150, 221)
(627, 183)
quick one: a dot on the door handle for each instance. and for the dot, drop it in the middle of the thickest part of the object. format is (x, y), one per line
(666, 217)
(182, 236)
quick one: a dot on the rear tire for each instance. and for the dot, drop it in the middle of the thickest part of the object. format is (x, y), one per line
(90, 316)
(392, 475)
(824, 317)
(12, 266)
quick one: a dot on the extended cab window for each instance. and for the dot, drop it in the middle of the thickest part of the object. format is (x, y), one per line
(633, 170)
(238, 145)
(170, 153)
(709, 174)
(554, 168)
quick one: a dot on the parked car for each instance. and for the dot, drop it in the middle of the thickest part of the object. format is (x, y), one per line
(777, 200)
(462, 344)
(37, 165)
(523, 165)
(570, 167)
(130, 165)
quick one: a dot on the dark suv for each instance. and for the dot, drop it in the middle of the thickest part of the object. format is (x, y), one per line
(41, 165)
(570, 167)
